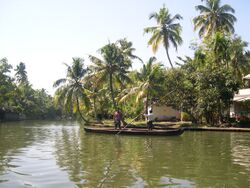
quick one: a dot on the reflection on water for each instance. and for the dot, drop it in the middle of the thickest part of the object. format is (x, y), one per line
(241, 150)
(61, 154)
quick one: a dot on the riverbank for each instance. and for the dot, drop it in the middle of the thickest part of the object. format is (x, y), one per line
(228, 129)
(188, 126)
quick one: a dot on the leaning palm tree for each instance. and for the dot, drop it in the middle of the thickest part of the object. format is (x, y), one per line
(148, 85)
(166, 32)
(214, 17)
(111, 68)
(70, 90)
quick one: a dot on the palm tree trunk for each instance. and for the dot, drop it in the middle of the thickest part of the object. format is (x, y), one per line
(78, 109)
(94, 106)
(146, 105)
(112, 91)
(169, 58)
(166, 48)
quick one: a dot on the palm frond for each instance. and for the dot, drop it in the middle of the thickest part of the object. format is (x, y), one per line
(202, 9)
(153, 15)
(59, 82)
(226, 8)
(150, 29)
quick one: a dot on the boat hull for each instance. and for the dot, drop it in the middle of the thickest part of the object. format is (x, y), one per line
(136, 131)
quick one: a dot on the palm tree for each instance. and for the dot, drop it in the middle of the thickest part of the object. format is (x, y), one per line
(71, 91)
(21, 73)
(239, 58)
(214, 17)
(127, 49)
(112, 68)
(229, 52)
(149, 83)
(166, 32)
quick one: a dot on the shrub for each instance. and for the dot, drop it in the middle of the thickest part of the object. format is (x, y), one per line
(185, 116)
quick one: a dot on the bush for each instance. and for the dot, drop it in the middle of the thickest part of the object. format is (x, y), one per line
(185, 116)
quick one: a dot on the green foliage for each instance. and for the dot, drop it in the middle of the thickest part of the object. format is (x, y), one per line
(22, 99)
(213, 18)
(111, 71)
(201, 87)
(21, 74)
(185, 116)
(147, 84)
(6, 86)
(71, 93)
(204, 86)
(166, 32)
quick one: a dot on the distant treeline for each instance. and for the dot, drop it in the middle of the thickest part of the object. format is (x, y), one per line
(18, 100)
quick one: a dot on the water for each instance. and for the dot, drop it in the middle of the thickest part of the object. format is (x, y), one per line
(60, 154)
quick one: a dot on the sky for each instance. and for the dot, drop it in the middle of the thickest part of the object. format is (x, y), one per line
(44, 34)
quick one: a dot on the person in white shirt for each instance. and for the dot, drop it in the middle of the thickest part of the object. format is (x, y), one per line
(150, 119)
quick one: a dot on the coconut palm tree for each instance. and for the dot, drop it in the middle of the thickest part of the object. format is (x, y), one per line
(239, 58)
(111, 68)
(21, 73)
(70, 90)
(166, 32)
(127, 49)
(214, 17)
(148, 84)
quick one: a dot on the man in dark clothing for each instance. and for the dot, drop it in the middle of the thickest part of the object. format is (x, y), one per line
(117, 119)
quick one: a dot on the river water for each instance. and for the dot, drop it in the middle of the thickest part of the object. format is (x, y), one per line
(60, 154)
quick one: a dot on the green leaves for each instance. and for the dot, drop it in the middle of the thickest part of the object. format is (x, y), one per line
(214, 18)
(166, 32)
(112, 69)
(21, 74)
(206, 83)
(147, 83)
(71, 92)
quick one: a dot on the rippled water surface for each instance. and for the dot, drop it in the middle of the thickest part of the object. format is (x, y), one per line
(60, 154)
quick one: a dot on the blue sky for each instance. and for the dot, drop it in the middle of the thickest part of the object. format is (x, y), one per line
(45, 33)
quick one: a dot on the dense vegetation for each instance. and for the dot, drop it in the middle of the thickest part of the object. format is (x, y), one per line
(202, 86)
(18, 100)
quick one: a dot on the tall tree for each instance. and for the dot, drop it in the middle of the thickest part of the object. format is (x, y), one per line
(239, 58)
(7, 87)
(214, 17)
(21, 73)
(127, 50)
(227, 51)
(166, 32)
(71, 91)
(112, 68)
(148, 83)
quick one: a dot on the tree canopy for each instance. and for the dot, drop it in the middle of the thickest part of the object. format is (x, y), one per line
(214, 17)
(202, 86)
(166, 32)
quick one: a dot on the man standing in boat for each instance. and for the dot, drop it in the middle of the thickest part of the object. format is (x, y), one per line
(150, 119)
(117, 119)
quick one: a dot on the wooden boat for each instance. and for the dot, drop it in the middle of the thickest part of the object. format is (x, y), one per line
(136, 131)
